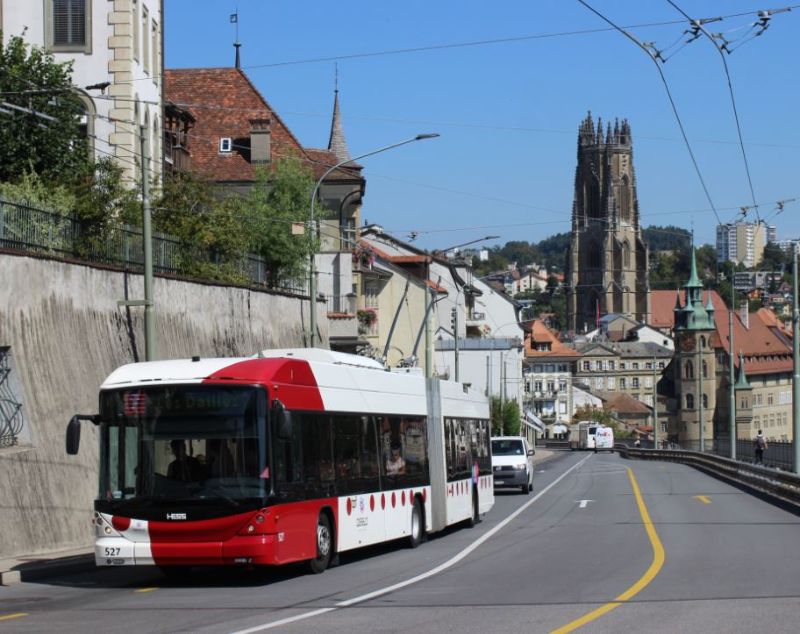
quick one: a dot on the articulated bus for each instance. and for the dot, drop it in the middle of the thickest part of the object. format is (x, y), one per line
(291, 455)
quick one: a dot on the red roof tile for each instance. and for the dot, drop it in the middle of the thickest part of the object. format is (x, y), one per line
(539, 333)
(223, 101)
(763, 343)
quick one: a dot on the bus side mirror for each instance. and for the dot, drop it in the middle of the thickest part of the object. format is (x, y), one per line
(74, 431)
(283, 420)
(73, 435)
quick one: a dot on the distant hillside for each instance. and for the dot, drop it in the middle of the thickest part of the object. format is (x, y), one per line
(552, 251)
(669, 238)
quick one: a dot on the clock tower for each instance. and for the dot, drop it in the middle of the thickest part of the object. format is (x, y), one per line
(695, 365)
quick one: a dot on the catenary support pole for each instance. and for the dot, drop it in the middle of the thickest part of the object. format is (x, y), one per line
(147, 239)
(795, 365)
(731, 377)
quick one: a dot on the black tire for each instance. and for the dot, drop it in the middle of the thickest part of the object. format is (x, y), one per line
(417, 530)
(526, 488)
(530, 485)
(324, 545)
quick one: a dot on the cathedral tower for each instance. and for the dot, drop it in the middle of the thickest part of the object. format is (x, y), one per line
(607, 259)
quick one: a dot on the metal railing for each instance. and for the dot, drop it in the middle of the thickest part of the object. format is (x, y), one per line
(342, 304)
(31, 230)
(782, 485)
(11, 420)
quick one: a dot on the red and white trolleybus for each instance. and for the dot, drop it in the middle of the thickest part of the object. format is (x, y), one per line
(291, 455)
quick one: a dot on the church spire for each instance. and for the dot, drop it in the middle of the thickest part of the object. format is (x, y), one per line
(742, 383)
(337, 143)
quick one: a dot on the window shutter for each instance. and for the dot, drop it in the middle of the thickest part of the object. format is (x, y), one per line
(69, 22)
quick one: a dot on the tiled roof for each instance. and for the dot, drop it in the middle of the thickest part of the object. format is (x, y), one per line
(223, 101)
(539, 333)
(765, 345)
(624, 403)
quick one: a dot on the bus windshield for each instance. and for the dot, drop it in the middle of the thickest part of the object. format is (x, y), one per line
(185, 443)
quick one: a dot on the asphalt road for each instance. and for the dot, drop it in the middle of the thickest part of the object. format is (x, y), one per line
(577, 553)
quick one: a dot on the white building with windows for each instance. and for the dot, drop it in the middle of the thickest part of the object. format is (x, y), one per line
(743, 242)
(117, 48)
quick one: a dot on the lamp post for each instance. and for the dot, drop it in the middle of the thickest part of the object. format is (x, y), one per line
(312, 280)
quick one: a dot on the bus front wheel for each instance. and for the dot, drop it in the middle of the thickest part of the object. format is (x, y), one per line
(324, 540)
(417, 526)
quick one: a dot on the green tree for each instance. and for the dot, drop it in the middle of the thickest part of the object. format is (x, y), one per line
(774, 258)
(213, 234)
(505, 417)
(496, 262)
(49, 143)
(276, 201)
(521, 252)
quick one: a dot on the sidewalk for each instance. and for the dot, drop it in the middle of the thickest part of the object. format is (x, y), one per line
(32, 567)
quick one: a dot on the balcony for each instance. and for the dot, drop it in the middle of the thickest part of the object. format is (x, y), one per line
(342, 321)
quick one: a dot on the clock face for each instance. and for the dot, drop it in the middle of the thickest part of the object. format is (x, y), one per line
(687, 344)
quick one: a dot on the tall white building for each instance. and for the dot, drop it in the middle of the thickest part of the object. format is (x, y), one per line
(743, 242)
(118, 44)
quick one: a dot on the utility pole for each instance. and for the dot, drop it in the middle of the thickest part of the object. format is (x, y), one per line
(454, 324)
(700, 398)
(731, 377)
(795, 365)
(655, 403)
(147, 245)
(502, 393)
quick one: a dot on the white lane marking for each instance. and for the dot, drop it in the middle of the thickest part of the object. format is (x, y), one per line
(582, 504)
(421, 577)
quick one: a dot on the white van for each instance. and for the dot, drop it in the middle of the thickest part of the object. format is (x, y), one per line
(512, 463)
(604, 439)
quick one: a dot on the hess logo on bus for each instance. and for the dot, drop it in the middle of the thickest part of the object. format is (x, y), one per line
(176, 516)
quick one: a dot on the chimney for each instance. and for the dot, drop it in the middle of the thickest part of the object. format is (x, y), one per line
(259, 141)
(744, 314)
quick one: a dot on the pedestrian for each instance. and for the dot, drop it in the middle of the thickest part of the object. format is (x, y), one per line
(760, 444)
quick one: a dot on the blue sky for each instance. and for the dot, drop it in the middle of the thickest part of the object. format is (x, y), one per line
(508, 112)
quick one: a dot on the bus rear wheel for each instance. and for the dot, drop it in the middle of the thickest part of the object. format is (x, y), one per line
(324, 542)
(417, 527)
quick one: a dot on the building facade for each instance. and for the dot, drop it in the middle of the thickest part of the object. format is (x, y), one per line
(607, 262)
(743, 242)
(697, 383)
(117, 54)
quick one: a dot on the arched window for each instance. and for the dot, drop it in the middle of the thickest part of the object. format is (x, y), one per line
(702, 342)
(690, 401)
(86, 121)
(626, 255)
(625, 199)
(705, 401)
(705, 370)
(688, 370)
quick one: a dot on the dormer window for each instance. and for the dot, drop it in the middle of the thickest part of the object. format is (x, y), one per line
(225, 144)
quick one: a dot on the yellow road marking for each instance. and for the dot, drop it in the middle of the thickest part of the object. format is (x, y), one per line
(644, 580)
(16, 615)
(146, 590)
(703, 498)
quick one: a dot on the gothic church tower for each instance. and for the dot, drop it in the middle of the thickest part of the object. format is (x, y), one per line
(607, 259)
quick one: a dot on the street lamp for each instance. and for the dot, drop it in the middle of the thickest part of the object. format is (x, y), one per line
(312, 281)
